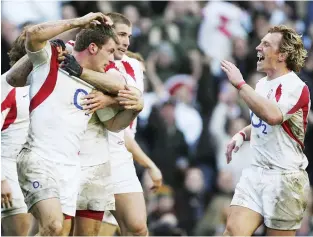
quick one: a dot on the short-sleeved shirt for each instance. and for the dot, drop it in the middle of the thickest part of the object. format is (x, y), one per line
(281, 146)
(57, 120)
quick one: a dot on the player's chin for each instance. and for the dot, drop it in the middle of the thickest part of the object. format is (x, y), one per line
(118, 55)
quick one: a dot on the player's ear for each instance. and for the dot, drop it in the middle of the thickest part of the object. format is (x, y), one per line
(282, 57)
(93, 48)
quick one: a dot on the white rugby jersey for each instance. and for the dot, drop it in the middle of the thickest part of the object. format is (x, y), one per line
(94, 147)
(132, 68)
(281, 146)
(57, 120)
(15, 118)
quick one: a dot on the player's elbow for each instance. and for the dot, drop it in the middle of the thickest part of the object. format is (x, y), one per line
(274, 119)
(31, 33)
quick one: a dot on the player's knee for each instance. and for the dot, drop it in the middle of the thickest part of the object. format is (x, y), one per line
(54, 227)
(138, 228)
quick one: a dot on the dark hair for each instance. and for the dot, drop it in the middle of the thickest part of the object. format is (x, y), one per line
(118, 18)
(18, 47)
(99, 35)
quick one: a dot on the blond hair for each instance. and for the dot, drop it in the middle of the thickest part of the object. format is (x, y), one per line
(291, 44)
(137, 56)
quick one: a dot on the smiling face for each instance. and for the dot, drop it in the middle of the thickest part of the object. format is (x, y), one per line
(124, 34)
(268, 53)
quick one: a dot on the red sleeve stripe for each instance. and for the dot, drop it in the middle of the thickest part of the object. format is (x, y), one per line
(49, 84)
(303, 104)
(129, 69)
(287, 129)
(9, 102)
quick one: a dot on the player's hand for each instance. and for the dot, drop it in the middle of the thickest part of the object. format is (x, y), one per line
(130, 98)
(61, 48)
(93, 19)
(234, 145)
(6, 195)
(233, 73)
(71, 66)
(96, 100)
(156, 177)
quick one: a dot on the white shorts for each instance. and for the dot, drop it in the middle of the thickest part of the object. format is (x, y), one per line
(96, 188)
(41, 179)
(109, 218)
(19, 206)
(280, 197)
(124, 176)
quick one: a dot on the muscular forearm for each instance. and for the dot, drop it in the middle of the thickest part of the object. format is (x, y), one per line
(37, 35)
(68, 35)
(260, 106)
(17, 76)
(106, 82)
(121, 120)
(138, 154)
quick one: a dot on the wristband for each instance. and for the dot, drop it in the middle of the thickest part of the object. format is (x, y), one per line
(243, 135)
(240, 85)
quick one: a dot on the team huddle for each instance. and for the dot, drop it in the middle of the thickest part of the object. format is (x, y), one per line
(69, 120)
(66, 133)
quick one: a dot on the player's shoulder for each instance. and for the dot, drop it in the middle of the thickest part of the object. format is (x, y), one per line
(292, 81)
(262, 81)
(5, 86)
(131, 62)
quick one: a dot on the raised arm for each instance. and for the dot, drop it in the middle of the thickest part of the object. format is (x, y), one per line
(38, 35)
(264, 108)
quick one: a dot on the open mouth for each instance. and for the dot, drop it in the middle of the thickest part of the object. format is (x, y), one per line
(260, 57)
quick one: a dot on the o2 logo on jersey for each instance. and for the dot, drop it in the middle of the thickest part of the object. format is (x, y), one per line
(78, 92)
(259, 124)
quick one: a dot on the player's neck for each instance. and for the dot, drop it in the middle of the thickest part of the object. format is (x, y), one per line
(82, 59)
(278, 72)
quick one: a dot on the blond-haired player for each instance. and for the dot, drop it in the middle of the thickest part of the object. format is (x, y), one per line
(275, 189)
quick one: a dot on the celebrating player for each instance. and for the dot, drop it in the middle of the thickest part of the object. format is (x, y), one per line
(274, 190)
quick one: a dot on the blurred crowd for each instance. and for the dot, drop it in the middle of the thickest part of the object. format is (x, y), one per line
(191, 111)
